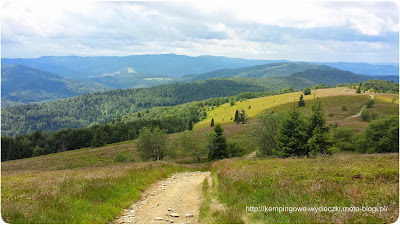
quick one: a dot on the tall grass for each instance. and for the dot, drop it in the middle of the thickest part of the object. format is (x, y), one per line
(339, 180)
(91, 195)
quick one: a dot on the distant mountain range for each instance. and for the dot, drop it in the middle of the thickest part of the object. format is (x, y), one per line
(24, 84)
(167, 64)
(21, 84)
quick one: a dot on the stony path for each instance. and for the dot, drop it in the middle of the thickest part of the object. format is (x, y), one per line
(174, 200)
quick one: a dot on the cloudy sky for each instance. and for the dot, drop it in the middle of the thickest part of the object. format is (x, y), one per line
(293, 30)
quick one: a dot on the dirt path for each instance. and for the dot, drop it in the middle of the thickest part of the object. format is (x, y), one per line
(362, 109)
(174, 200)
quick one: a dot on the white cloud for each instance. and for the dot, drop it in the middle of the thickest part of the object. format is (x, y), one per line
(251, 29)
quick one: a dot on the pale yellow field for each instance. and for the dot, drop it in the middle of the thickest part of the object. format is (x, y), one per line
(225, 112)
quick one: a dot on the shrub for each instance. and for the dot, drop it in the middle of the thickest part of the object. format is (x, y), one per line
(370, 103)
(331, 114)
(381, 135)
(344, 108)
(342, 138)
(365, 115)
(266, 131)
(307, 91)
(234, 149)
(121, 157)
(374, 115)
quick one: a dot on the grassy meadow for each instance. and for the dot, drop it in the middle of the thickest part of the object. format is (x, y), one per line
(223, 113)
(92, 185)
(344, 179)
(80, 186)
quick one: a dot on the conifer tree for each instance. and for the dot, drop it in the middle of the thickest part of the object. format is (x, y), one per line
(212, 122)
(302, 103)
(217, 145)
(236, 117)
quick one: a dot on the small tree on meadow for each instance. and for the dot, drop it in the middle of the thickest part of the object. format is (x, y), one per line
(307, 91)
(189, 143)
(236, 117)
(212, 122)
(151, 143)
(301, 103)
(317, 132)
(217, 144)
(291, 139)
(242, 117)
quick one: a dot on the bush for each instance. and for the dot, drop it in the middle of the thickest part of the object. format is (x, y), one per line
(307, 91)
(370, 103)
(365, 115)
(381, 135)
(374, 115)
(234, 149)
(331, 114)
(344, 108)
(121, 157)
(265, 132)
(342, 138)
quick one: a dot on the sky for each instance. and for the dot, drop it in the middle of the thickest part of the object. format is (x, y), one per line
(317, 31)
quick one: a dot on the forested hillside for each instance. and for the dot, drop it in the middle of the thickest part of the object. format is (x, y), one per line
(85, 110)
(22, 84)
(266, 70)
(130, 79)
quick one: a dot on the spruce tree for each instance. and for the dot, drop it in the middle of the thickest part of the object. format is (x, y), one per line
(212, 122)
(236, 117)
(302, 103)
(292, 138)
(218, 144)
(317, 131)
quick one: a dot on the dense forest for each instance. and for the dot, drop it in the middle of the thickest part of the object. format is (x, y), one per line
(100, 107)
(22, 84)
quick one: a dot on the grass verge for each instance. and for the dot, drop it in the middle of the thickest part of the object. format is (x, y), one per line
(344, 180)
(90, 195)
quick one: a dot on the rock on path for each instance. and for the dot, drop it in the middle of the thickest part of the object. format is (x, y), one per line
(174, 200)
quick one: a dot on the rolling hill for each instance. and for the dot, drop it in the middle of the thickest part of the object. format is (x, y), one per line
(99, 107)
(266, 70)
(319, 74)
(168, 64)
(22, 84)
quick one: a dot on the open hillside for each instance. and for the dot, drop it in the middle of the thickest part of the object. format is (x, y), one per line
(332, 98)
(22, 84)
(99, 185)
